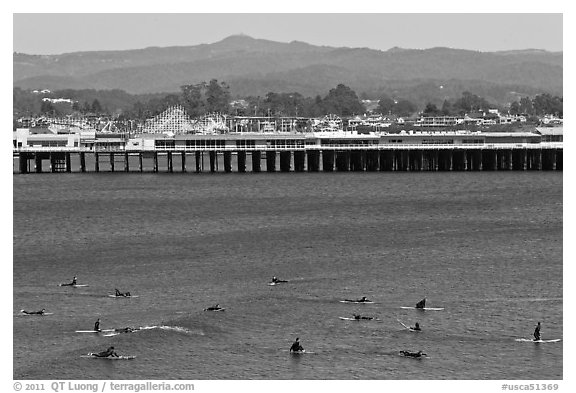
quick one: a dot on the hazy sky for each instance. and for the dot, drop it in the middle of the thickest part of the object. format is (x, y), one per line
(60, 33)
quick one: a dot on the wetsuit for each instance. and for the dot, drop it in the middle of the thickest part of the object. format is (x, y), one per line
(412, 354)
(296, 347)
(41, 312)
(106, 353)
(537, 333)
(97, 326)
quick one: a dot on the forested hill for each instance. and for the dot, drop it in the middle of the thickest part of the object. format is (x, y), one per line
(255, 66)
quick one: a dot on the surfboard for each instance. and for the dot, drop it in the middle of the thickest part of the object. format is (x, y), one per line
(303, 352)
(75, 285)
(423, 356)
(408, 327)
(220, 309)
(357, 302)
(277, 282)
(527, 340)
(123, 296)
(35, 315)
(425, 308)
(94, 331)
(354, 319)
(122, 357)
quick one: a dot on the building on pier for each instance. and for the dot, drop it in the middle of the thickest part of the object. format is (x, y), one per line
(30, 139)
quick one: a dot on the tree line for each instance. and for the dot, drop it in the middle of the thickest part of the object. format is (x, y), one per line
(214, 96)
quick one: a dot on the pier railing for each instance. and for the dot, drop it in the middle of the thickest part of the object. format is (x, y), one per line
(390, 146)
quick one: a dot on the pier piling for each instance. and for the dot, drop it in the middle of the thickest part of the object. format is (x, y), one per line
(169, 162)
(241, 161)
(37, 162)
(299, 161)
(212, 156)
(270, 161)
(285, 161)
(256, 164)
(227, 161)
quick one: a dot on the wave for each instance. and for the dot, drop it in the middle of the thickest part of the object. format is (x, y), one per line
(179, 329)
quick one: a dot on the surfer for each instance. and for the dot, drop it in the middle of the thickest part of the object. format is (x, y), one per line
(416, 327)
(417, 355)
(125, 330)
(358, 317)
(358, 300)
(125, 294)
(213, 308)
(537, 332)
(107, 353)
(97, 325)
(421, 303)
(70, 284)
(41, 312)
(296, 347)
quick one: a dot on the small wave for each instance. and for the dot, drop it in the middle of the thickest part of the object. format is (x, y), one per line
(178, 329)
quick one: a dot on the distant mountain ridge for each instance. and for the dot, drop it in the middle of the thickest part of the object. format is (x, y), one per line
(256, 66)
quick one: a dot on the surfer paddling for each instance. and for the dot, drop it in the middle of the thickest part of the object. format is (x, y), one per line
(124, 294)
(41, 312)
(359, 317)
(276, 280)
(421, 304)
(296, 347)
(125, 330)
(363, 300)
(214, 308)
(105, 354)
(537, 332)
(410, 354)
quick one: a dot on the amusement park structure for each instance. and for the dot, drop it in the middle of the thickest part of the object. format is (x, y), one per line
(173, 120)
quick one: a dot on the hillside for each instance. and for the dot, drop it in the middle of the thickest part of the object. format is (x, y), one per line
(255, 66)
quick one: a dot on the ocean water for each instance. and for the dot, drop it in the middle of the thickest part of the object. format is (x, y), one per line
(485, 246)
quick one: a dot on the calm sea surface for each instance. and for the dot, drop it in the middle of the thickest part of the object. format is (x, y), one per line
(486, 246)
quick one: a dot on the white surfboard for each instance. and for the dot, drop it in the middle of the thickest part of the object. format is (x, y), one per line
(407, 327)
(123, 357)
(35, 315)
(354, 319)
(123, 296)
(74, 286)
(357, 302)
(95, 331)
(527, 340)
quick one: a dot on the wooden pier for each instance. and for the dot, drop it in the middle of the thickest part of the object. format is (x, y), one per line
(322, 159)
